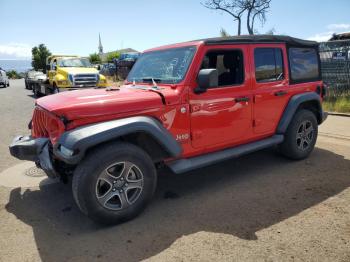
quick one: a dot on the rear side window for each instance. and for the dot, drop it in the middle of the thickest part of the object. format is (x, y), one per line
(303, 64)
(268, 64)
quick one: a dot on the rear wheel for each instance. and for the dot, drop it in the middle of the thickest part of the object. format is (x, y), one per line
(36, 91)
(55, 89)
(301, 135)
(114, 183)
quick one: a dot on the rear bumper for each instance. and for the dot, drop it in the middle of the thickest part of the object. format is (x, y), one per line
(34, 149)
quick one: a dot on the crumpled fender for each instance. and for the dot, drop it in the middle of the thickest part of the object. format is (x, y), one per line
(81, 139)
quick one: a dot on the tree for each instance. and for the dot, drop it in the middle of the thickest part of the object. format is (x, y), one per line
(39, 55)
(12, 74)
(255, 9)
(235, 8)
(112, 55)
(223, 33)
(95, 58)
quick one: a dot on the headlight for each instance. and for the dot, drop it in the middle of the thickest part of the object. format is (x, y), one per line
(70, 78)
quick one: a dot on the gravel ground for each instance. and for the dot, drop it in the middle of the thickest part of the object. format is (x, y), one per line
(260, 207)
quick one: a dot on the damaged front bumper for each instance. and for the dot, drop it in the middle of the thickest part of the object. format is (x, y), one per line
(34, 149)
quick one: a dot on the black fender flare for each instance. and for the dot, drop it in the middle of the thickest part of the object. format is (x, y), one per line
(293, 106)
(79, 140)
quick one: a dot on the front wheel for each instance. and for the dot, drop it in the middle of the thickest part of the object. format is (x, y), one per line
(114, 183)
(301, 135)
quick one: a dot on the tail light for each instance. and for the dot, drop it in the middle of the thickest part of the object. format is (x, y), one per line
(322, 90)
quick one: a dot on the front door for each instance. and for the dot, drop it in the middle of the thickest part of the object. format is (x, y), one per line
(52, 72)
(223, 115)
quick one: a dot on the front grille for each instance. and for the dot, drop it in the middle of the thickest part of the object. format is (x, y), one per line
(85, 80)
(40, 121)
(46, 124)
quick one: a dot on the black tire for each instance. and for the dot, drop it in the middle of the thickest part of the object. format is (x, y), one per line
(55, 89)
(8, 84)
(300, 141)
(87, 183)
(36, 91)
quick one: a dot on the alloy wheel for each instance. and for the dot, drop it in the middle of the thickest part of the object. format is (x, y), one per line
(119, 185)
(305, 135)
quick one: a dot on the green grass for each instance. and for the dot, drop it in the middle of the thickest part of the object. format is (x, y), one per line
(337, 104)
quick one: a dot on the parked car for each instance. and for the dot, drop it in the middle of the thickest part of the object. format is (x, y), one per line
(108, 69)
(32, 78)
(183, 106)
(4, 81)
(125, 63)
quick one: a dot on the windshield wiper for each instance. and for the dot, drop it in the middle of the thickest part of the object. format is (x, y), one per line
(151, 79)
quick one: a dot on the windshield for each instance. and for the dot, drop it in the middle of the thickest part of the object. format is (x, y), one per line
(165, 66)
(74, 62)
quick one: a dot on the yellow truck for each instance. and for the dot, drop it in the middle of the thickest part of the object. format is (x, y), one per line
(65, 73)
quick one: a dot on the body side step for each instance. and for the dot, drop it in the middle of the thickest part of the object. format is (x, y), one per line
(184, 165)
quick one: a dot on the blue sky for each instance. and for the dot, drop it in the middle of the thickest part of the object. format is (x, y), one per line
(72, 27)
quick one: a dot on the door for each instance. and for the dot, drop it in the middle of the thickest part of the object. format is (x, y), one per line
(270, 86)
(223, 115)
(52, 72)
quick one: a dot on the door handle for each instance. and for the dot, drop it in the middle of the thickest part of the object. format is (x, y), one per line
(280, 93)
(242, 99)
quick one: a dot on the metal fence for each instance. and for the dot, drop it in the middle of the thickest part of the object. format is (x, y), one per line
(335, 66)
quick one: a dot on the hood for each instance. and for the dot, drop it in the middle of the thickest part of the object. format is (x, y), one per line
(97, 102)
(78, 70)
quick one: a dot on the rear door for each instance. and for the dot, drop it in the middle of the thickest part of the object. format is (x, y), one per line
(270, 86)
(223, 114)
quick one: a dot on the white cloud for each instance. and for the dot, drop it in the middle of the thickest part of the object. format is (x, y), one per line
(15, 50)
(321, 37)
(338, 27)
(331, 29)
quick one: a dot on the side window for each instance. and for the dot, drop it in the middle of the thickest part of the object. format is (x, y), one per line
(54, 64)
(228, 63)
(268, 64)
(303, 64)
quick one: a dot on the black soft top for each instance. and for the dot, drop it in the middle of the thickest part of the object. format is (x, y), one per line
(260, 39)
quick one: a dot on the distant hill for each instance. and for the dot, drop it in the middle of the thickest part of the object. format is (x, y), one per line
(19, 66)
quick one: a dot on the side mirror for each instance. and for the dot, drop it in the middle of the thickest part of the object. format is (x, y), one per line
(207, 78)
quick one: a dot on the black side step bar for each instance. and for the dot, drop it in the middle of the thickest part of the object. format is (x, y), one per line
(184, 165)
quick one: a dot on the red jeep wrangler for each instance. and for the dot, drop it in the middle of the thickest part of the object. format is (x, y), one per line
(185, 106)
